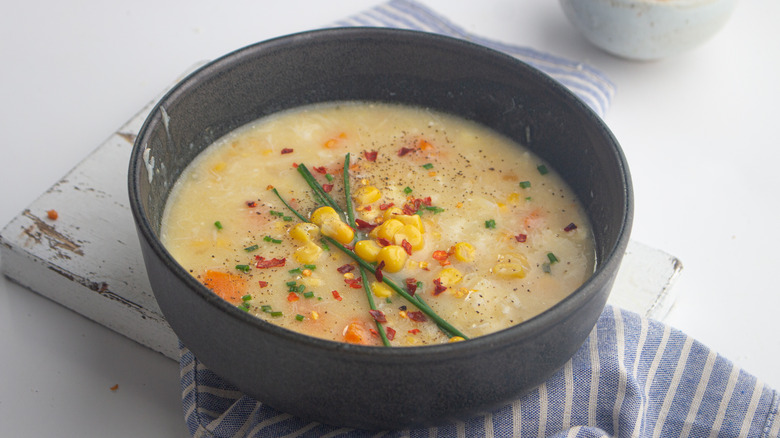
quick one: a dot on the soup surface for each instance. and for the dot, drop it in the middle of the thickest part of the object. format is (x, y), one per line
(470, 226)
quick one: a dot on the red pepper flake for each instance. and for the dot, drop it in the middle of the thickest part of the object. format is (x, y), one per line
(287, 151)
(378, 315)
(262, 263)
(427, 201)
(385, 206)
(570, 227)
(321, 170)
(354, 283)
(390, 333)
(439, 288)
(346, 268)
(292, 296)
(521, 238)
(327, 188)
(263, 283)
(363, 225)
(378, 271)
(251, 204)
(114, 388)
(52, 214)
(382, 241)
(370, 155)
(336, 295)
(416, 316)
(414, 331)
(441, 257)
(404, 151)
(406, 246)
(411, 286)
(295, 165)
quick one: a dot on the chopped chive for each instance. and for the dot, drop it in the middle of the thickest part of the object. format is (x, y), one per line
(388, 300)
(271, 239)
(291, 283)
(552, 258)
(277, 314)
(407, 190)
(300, 288)
(244, 268)
(299, 317)
(527, 198)
(491, 223)
(276, 213)
(420, 285)
(218, 224)
(324, 245)
(310, 267)
(435, 210)
(525, 184)
(246, 297)
(295, 271)
(265, 308)
(287, 218)
(329, 177)
(251, 248)
(428, 166)
(244, 307)
(308, 294)
(542, 169)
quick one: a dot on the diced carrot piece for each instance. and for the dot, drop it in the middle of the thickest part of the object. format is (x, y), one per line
(424, 145)
(228, 286)
(52, 214)
(355, 333)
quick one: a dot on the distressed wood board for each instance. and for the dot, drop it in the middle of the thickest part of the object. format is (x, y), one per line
(89, 258)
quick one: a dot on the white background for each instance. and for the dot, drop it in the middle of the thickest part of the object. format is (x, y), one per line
(700, 131)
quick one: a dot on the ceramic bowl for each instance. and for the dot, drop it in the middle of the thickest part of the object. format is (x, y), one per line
(361, 386)
(647, 29)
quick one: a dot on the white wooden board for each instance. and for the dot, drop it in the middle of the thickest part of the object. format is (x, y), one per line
(89, 258)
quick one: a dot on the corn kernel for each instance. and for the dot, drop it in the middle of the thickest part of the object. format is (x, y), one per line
(306, 272)
(367, 195)
(304, 232)
(392, 212)
(314, 315)
(463, 252)
(509, 270)
(349, 275)
(308, 253)
(338, 230)
(367, 250)
(219, 167)
(387, 230)
(412, 219)
(393, 256)
(319, 215)
(380, 289)
(412, 235)
(513, 198)
(450, 276)
(402, 314)
(456, 339)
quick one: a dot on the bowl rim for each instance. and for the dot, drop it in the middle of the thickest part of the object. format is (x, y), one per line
(603, 268)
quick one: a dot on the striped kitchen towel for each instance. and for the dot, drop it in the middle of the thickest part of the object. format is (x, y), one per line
(633, 377)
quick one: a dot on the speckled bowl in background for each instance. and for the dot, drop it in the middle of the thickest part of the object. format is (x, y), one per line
(355, 385)
(647, 29)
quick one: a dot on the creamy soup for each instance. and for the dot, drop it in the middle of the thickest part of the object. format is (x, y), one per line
(451, 221)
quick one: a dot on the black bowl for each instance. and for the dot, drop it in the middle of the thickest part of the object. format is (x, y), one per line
(375, 387)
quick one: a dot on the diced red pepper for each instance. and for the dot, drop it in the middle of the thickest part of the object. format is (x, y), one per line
(406, 246)
(287, 151)
(416, 316)
(363, 225)
(251, 204)
(378, 271)
(404, 151)
(521, 238)
(263, 283)
(327, 188)
(386, 206)
(321, 169)
(336, 295)
(378, 315)
(570, 227)
(438, 287)
(292, 296)
(262, 263)
(346, 268)
(370, 155)
(414, 331)
(411, 285)
(390, 332)
(354, 283)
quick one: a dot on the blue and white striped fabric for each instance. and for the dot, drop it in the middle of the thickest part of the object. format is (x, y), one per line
(592, 86)
(633, 377)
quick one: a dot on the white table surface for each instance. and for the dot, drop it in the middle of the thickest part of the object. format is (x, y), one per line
(700, 132)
